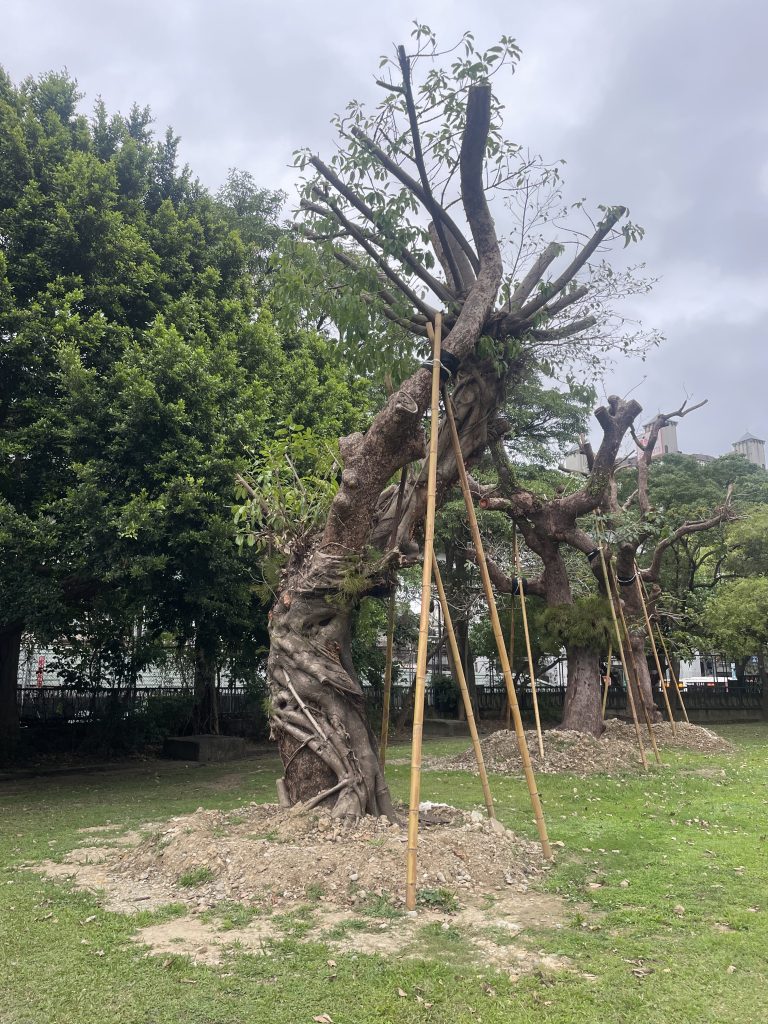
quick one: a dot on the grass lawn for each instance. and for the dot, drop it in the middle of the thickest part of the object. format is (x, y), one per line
(673, 864)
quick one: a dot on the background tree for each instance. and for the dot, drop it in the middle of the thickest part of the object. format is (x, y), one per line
(547, 525)
(138, 373)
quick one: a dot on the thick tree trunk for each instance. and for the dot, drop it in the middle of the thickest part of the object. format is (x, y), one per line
(10, 650)
(763, 677)
(317, 709)
(205, 713)
(640, 663)
(583, 710)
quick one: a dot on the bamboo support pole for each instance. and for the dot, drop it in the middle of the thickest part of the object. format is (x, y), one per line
(607, 677)
(673, 677)
(635, 675)
(511, 647)
(388, 677)
(630, 695)
(421, 656)
(462, 681)
(387, 697)
(649, 630)
(531, 673)
(498, 636)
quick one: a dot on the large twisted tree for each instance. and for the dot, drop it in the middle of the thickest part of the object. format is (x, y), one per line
(407, 193)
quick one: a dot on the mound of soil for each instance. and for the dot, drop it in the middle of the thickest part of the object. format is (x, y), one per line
(257, 875)
(581, 754)
(262, 854)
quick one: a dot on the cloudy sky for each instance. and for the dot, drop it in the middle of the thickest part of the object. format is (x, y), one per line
(660, 105)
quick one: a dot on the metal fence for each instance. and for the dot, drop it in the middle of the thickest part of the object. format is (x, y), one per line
(62, 704)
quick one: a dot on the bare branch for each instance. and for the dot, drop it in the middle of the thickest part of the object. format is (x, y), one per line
(413, 186)
(431, 204)
(575, 327)
(402, 254)
(359, 236)
(603, 229)
(724, 514)
(532, 278)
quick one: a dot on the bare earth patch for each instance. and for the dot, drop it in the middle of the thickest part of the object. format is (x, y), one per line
(581, 754)
(256, 875)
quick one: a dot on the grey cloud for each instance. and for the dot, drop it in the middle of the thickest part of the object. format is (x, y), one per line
(660, 105)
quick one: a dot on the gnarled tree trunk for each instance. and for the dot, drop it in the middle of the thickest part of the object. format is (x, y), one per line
(317, 710)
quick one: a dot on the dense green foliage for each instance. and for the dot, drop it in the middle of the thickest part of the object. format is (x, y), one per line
(139, 374)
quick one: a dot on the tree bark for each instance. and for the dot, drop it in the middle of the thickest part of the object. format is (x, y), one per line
(10, 650)
(640, 663)
(763, 677)
(317, 712)
(205, 712)
(583, 710)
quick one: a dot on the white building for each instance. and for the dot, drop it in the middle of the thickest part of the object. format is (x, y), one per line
(752, 448)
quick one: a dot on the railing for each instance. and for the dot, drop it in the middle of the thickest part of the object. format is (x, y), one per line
(63, 704)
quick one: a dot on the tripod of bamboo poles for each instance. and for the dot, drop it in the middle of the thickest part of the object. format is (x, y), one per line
(607, 676)
(496, 626)
(672, 677)
(633, 678)
(640, 591)
(531, 673)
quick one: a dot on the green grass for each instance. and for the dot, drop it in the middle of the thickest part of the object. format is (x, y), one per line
(197, 876)
(681, 839)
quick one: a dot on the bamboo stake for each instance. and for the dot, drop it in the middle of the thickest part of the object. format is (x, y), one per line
(388, 677)
(461, 679)
(635, 674)
(531, 673)
(391, 629)
(421, 656)
(607, 679)
(511, 648)
(496, 625)
(640, 589)
(621, 655)
(673, 677)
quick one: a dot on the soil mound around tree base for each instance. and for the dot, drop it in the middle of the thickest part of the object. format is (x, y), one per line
(580, 753)
(249, 878)
(267, 856)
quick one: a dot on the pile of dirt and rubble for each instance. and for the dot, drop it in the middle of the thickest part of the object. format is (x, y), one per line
(255, 876)
(580, 753)
(265, 855)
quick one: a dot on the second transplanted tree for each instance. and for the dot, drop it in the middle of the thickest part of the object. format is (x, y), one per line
(399, 227)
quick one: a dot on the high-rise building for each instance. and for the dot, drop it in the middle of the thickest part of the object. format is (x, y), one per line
(752, 448)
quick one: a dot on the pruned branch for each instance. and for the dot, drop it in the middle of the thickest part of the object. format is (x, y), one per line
(401, 253)
(555, 287)
(415, 188)
(429, 200)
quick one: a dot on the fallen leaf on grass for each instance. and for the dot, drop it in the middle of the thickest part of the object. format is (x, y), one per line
(322, 1018)
(403, 995)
